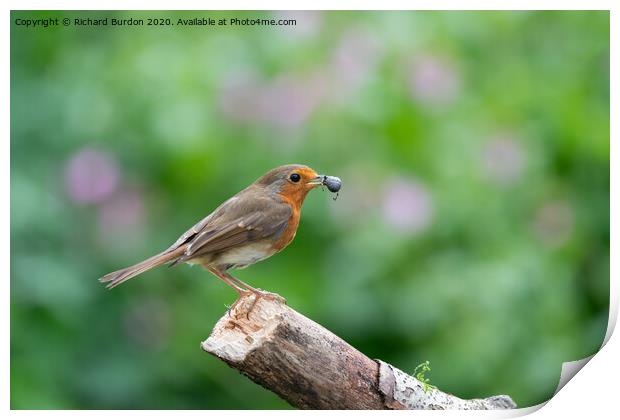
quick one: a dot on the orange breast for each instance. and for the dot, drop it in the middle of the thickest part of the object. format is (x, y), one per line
(291, 229)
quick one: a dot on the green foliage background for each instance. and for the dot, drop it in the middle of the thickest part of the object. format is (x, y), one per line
(502, 275)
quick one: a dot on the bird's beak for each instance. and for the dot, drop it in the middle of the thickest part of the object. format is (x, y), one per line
(318, 180)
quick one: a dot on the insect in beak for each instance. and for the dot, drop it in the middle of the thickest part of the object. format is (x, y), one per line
(332, 183)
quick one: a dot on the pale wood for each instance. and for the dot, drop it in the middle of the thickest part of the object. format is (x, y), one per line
(312, 368)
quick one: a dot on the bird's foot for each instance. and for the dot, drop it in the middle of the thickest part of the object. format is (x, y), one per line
(257, 294)
(233, 308)
(269, 296)
(261, 294)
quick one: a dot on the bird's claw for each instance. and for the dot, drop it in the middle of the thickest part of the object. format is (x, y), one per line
(257, 294)
(270, 296)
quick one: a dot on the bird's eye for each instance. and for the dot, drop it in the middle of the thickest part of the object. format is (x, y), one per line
(295, 177)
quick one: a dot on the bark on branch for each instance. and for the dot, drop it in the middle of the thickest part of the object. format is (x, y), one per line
(312, 368)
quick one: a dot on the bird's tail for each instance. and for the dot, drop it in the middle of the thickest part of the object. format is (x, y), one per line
(120, 276)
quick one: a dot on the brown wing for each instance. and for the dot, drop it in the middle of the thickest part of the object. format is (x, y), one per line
(243, 219)
(198, 227)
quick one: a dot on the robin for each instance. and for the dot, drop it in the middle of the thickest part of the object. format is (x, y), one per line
(249, 227)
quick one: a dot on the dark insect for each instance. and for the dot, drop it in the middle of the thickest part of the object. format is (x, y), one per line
(332, 183)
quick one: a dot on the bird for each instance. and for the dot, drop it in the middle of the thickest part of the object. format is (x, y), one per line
(249, 227)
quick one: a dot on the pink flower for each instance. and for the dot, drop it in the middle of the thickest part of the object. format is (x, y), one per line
(122, 212)
(553, 223)
(434, 80)
(239, 98)
(503, 160)
(353, 63)
(91, 176)
(407, 205)
(284, 102)
(288, 101)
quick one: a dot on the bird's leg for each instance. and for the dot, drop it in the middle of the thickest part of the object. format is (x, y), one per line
(254, 290)
(241, 291)
(257, 292)
(247, 290)
(242, 284)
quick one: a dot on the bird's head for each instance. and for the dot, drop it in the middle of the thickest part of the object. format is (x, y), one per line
(295, 181)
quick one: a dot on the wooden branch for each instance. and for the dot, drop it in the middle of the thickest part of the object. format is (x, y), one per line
(312, 368)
